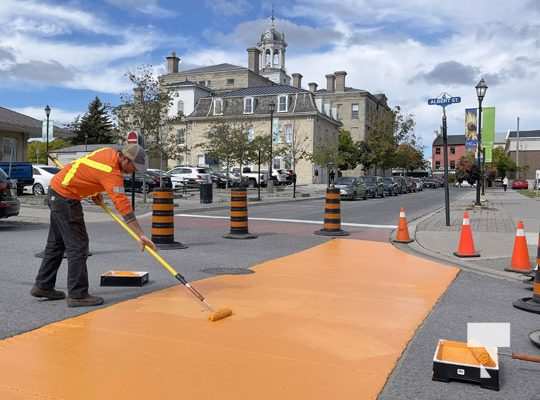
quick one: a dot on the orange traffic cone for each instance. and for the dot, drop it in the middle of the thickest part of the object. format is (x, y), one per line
(402, 234)
(466, 243)
(520, 256)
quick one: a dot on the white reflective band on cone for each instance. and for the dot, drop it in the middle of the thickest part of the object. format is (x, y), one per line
(520, 232)
(402, 214)
(466, 221)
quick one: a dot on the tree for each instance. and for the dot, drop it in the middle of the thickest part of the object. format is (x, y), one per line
(147, 110)
(348, 151)
(94, 127)
(408, 157)
(295, 148)
(37, 151)
(502, 162)
(467, 170)
(176, 145)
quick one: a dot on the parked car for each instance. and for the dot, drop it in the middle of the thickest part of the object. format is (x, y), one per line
(351, 188)
(21, 172)
(431, 183)
(219, 178)
(464, 184)
(374, 186)
(391, 188)
(402, 184)
(9, 203)
(520, 184)
(185, 173)
(411, 185)
(149, 178)
(251, 177)
(419, 184)
(42, 175)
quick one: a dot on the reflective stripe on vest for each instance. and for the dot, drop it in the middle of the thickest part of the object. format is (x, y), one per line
(89, 163)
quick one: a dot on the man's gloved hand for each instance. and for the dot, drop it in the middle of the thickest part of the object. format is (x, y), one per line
(98, 199)
(144, 241)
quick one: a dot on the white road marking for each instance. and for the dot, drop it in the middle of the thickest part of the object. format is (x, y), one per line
(296, 221)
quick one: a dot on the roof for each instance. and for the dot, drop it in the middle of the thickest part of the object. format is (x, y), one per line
(213, 68)
(264, 90)
(14, 121)
(524, 134)
(452, 140)
(81, 148)
(347, 89)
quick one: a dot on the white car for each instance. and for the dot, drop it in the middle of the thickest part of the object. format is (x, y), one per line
(42, 178)
(181, 175)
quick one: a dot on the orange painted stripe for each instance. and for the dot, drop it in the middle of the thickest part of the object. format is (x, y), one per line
(163, 195)
(332, 216)
(239, 224)
(239, 214)
(162, 207)
(158, 218)
(238, 203)
(332, 206)
(333, 196)
(162, 231)
(332, 226)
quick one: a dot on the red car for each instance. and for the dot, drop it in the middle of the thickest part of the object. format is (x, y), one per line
(520, 184)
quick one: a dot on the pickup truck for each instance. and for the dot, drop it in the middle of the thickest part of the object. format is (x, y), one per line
(22, 172)
(252, 177)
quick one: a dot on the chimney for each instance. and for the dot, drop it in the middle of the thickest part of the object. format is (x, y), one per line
(253, 59)
(312, 87)
(340, 80)
(297, 80)
(330, 82)
(172, 63)
(138, 93)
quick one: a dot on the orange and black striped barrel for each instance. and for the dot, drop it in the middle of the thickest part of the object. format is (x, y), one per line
(163, 217)
(536, 287)
(538, 254)
(332, 214)
(239, 215)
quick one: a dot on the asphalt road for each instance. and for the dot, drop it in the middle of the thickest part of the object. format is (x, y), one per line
(372, 211)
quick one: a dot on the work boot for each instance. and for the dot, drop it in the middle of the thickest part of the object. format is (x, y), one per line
(87, 301)
(49, 294)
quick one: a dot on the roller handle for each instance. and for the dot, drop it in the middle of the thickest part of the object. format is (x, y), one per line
(526, 357)
(191, 288)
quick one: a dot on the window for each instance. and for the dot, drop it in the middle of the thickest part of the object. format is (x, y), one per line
(437, 165)
(276, 57)
(230, 82)
(288, 134)
(218, 106)
(437, 150)
(354, 111)
(283, 102)
(452, 150)
(250, 134)
(248, 105)
(35, 171)
(338, 112)
(181, 136)
(180, 107)
(268, 58)
(201, 159)
(452, 164)
(208, 83)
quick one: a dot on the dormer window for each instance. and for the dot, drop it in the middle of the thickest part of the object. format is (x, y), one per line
(248, 105)
(283, 103)
(218, 106)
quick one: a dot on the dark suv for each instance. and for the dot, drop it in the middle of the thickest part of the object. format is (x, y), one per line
(391, 188)
(9, 203)
(374, 186)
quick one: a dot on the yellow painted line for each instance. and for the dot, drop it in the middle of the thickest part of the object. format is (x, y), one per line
(318, 324)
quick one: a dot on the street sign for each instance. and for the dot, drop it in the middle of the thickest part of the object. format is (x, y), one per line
(133, 137)
(444, 100)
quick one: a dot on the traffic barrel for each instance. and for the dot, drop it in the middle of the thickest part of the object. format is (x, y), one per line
(520, 255)
(402, 234)
(332, 215)
(239, 215)
(163, 220)
(531, 304)
(466, 243)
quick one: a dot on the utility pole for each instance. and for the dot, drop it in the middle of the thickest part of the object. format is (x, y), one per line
(517, 150)
(445, 159)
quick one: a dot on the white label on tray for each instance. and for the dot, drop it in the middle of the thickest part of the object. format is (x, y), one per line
(460, 371)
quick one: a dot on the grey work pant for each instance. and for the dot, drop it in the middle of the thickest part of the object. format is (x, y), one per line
(67, 232)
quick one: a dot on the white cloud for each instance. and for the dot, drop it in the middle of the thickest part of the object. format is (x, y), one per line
(228, 7)
(58, 115)
(150, 7)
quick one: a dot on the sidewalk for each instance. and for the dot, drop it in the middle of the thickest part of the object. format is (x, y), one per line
(493, 226)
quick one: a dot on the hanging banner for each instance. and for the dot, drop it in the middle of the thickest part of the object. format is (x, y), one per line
(44, 130)
(275, 131)
(488, 131)
(471, 135)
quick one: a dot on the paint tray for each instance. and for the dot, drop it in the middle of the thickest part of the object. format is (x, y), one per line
(124, 278)
(455, 361)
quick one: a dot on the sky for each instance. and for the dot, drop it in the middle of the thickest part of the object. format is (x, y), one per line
(64, 53)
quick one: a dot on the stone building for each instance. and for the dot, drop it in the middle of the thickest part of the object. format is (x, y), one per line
(529, 152)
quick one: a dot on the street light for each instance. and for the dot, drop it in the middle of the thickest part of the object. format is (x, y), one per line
(481, 89)
(270, 183)
(47, 113)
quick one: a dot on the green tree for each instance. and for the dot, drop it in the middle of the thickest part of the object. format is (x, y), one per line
(94, 127)
(408, 157)
(349, 156)
(37, 151)
(502, 162)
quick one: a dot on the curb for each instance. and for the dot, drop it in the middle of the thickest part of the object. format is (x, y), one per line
(417, 249)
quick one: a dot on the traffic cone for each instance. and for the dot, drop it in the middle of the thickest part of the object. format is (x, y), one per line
(520, 255)
(466, 243)
(402, 234)
(531, 304)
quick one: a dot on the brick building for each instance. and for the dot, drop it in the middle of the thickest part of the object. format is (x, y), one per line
(456, 150)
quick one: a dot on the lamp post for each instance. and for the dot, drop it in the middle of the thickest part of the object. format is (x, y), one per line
(270, 183)
(47, 113)
(481, 89)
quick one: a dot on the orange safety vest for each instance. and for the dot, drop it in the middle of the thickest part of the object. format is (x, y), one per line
(87, 176)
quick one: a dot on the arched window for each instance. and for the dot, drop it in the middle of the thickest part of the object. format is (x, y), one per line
(180, 107)
(276, 57)
(268, 57)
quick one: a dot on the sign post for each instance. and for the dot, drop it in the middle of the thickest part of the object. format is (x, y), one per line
(133, 137)
(444, 100)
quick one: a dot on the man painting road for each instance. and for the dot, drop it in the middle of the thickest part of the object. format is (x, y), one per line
(88, 176)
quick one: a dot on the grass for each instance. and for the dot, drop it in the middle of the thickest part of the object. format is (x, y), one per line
(528, 193)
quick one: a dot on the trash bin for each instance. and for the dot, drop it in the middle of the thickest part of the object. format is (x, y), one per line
(206, 193)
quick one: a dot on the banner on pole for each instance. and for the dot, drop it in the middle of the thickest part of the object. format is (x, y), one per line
(471, 135)
(44, 130)
(488, 131)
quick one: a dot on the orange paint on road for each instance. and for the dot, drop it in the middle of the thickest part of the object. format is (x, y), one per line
(329, 322)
